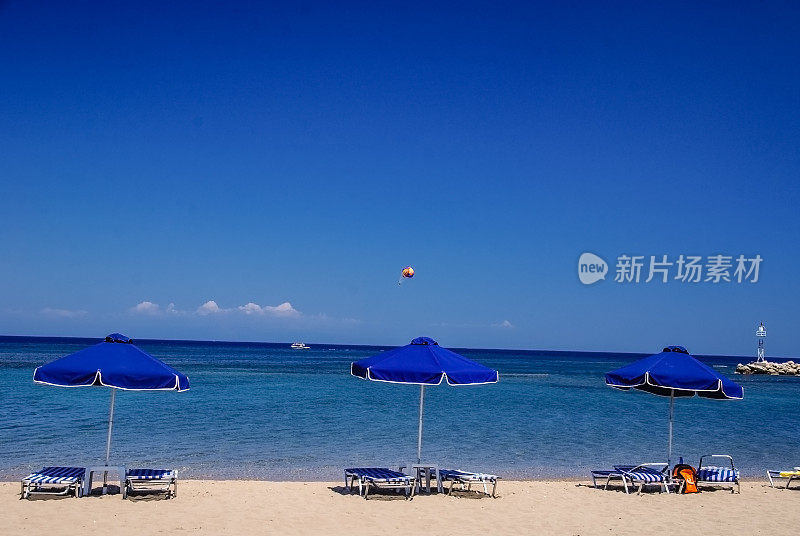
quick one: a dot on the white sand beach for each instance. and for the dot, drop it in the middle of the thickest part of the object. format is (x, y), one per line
(527, 507)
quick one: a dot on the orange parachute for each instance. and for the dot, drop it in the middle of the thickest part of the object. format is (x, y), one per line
(407, 273)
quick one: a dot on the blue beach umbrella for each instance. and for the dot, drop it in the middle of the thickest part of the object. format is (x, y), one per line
(423, 362)
(114, 363)
(674, 373)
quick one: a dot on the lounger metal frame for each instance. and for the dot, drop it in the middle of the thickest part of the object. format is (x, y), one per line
(601, 473)
(771, 474)
(609, 474)
(629, 476)
(407, 482)
(164, 484)
(735, 482)
(28, 485)
(467, 478)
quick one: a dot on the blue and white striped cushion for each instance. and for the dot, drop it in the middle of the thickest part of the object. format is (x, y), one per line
(56, 475)
(717, 474)
(450, 474)
(378, 474)
(645, 475)
(149, 474)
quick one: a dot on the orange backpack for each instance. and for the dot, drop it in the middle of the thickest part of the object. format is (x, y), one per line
(686, 473)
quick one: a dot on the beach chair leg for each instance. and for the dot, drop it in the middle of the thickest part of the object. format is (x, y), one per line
(409, 488)
(494, 489)
(450, 491)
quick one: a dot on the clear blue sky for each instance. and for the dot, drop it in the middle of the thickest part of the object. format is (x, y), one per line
(247, 153)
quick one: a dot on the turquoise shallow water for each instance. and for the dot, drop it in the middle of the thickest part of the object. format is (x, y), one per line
(267, 412)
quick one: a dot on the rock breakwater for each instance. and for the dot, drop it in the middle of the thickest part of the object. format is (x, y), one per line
(787, 368)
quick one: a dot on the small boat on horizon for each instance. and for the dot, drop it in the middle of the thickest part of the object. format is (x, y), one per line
(300, 346)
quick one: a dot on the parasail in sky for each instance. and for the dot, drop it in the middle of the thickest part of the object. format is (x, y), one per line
(407, 273)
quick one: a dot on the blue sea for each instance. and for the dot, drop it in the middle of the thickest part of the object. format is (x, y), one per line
(264, 411)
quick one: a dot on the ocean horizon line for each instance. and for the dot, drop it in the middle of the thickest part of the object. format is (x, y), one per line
(201, 342)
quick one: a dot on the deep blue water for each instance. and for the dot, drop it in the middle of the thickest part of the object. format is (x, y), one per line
(267, 412)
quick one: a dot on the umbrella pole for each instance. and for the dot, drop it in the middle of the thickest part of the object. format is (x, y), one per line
(419, 433)
(671, 418)
(108, 439)
(110, 424)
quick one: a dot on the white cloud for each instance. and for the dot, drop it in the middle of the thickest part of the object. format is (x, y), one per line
(63, 313)
(208, 308)
(504, 324)
(146, 307)
(250, 308)
(284, 310)
(154, 309)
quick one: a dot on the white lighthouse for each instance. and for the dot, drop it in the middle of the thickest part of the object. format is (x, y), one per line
(761, 333)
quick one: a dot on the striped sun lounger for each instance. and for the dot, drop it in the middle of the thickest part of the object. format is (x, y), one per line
(378, 477)
(466, 479)
(712, 475)
(645, 474)
(793, 474)
(53, 481)
(152, 481)
(609, 474)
